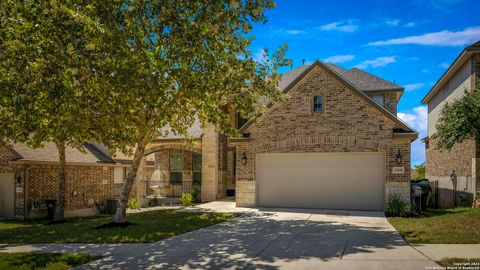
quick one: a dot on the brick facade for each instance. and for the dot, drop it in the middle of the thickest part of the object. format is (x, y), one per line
(347, 124)
(441, 162)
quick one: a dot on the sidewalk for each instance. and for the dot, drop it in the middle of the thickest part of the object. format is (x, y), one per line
(437, 252)
(93, 249)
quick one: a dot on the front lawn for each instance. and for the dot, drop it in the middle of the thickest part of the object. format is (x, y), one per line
(150, 227)
(50, 261)
(441, 226)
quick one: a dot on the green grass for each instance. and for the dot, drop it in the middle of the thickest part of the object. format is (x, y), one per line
(50, 261)
(442, 226)
(151, 226)
(446, 262)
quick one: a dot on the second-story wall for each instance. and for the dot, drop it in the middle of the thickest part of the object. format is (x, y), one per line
(453, 90)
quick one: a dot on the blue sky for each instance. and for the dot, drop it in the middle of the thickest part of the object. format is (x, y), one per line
(410, 43)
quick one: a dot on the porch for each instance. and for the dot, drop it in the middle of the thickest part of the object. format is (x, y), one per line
(171, 168)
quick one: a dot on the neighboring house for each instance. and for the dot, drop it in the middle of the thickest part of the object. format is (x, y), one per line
(29, 177)
(461, 76)
(334, 142)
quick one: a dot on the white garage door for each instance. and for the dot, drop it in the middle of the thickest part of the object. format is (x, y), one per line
(321, 180)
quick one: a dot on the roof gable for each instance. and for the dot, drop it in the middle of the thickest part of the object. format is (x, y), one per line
(348, 84)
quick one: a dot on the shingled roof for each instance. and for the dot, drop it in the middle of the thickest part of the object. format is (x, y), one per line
(49, 153)
(361, 79)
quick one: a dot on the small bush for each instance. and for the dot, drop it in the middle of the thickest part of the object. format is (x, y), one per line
(196, 193)
(153, 202)
(133, 204)
(187, 199)
(396, 205)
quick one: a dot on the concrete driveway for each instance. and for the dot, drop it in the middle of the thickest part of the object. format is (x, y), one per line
(279, 239)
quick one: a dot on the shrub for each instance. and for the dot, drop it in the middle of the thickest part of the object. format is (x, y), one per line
(396, 205)
(133, 204)
(153, 202)
(187, 199)
(196, 193)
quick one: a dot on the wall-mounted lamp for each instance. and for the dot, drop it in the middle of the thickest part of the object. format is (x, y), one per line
(244, 159)
(18, 177)
(398, 157)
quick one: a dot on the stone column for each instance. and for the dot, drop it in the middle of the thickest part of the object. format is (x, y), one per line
(162, 164)
(210, 161)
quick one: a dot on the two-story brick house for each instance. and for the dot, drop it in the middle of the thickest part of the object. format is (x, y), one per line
(334, 142)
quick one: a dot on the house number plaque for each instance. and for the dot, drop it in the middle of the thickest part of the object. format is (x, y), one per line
(398, 170)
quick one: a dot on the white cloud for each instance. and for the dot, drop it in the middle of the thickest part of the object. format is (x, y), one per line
(288, 32)
(377, 62)
(413, 86)
(442, 38)
(392, 22)
(340, 58)
(294, 32)
(410, 24)
(418, 119)
(444, 65)
(260, 55)
(343, 26)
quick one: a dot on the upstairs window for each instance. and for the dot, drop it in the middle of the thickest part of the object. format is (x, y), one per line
(317, 104)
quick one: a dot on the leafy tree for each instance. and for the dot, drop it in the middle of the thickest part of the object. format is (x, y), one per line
(118, 72)
(419, 171)
(186, 60)
(50, 56)
(460, 120)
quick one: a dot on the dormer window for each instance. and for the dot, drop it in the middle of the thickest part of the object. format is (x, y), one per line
(379, 99)
(317, 104)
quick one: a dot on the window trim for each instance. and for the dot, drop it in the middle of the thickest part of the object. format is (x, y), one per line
(313, 104)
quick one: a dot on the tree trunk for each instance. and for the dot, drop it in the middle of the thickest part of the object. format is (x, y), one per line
(130, 180)
(59, 214)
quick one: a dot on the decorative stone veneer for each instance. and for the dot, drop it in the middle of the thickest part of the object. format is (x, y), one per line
(214, 164)
(347, 124)
(391, 102)
(401, 188)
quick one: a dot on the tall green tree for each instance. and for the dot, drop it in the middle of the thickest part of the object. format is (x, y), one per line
(460, 120)
(50, 58)
(192, 60)
(419, 171)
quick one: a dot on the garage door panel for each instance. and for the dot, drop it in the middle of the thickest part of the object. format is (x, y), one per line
(321, 180)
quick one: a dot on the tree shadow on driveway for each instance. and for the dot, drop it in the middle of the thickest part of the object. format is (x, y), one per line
(271, 240)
